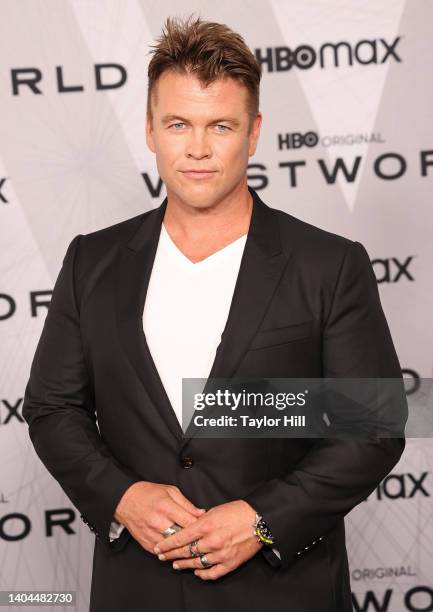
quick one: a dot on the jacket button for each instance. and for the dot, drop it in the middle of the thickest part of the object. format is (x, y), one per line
(187, 462)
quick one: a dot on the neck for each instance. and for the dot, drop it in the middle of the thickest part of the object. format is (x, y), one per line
(215, 225)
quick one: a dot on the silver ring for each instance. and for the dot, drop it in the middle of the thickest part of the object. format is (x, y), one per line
(171, 530)
(204, 561)
(196, 552)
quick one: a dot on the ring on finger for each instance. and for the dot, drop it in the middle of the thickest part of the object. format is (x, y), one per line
(204, 561)
(196, 552)
(171, 530)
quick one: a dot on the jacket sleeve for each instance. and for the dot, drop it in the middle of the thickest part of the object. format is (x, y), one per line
(337, 474)
(59, 409)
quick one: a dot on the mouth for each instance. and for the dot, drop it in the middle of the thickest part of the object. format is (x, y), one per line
(199, 174)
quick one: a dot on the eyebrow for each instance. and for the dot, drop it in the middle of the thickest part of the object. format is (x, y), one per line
(167, 118)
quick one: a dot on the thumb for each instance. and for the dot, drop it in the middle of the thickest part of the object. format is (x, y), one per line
(186, 503)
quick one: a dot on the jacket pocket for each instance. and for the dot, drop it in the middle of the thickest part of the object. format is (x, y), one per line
(282, 335)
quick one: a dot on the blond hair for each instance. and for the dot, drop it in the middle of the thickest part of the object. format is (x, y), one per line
(210, 51)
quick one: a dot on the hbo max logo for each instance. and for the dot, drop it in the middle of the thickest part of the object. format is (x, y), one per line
(296, 140)
(334, 55)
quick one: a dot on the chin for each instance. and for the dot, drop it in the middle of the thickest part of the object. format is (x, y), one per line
(198, 197)
(200, 203)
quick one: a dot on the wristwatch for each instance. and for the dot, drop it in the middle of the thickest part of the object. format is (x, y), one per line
(262, 531)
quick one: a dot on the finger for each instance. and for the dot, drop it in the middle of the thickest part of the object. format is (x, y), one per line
(177, 514)
(184, 551)
(212, 573)
(177, 553)
(195, 563)
(181, 538)
(185, 502)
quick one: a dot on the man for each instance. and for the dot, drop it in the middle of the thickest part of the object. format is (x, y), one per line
(266, 295)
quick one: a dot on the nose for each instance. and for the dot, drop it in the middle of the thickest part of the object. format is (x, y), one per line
(197, 145)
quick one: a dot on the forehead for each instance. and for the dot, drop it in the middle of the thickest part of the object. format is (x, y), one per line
(183, 94)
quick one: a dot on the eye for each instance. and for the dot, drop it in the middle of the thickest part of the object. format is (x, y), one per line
(223, 126)
(220, 125)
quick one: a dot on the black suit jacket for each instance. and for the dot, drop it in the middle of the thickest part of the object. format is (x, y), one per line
(305, 304)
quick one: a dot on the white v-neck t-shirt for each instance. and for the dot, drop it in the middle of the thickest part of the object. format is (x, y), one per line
(185, 313)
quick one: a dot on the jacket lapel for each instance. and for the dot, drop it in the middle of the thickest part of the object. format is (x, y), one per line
(134, 267)
(261, 267)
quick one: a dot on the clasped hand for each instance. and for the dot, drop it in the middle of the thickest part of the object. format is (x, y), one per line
(224, 533)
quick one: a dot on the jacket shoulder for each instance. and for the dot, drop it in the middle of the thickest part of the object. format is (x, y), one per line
(307, 235)
(104, 244)
(99, 249)
(115, 234)
(318, 253)
(311, 243)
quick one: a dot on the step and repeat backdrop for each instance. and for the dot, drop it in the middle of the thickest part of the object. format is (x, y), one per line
(346, 144)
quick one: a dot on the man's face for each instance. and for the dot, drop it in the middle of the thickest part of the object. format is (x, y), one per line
(201, 129)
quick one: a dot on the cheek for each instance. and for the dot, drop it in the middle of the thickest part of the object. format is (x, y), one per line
(232, 155)
(168, 150)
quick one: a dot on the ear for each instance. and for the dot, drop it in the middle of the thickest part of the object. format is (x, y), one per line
(149, 134)
(254, 135)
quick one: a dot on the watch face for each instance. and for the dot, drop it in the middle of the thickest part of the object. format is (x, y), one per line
(264, 530)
